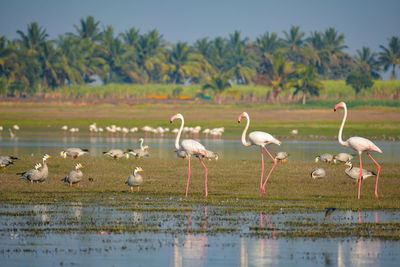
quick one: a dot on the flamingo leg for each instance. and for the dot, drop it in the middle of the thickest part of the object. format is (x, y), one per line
(377, 176)
(270, 170)
(187, 185)
(359, 184)
(262, 171)
(202, 163)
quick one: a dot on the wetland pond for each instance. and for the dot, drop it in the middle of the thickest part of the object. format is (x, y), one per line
(164, 147)
(189, 235)
(180, 233)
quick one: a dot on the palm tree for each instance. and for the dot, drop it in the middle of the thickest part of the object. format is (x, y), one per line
(389, 57)
(241, 61)
(150, 49)
(366, 62)
(307, 81)
(219, 54)
(268, 43)
(88, 29)
(277, 72)
(34, 37)
(218, 84)
(293, 42)
(183, 63)
(49, 60)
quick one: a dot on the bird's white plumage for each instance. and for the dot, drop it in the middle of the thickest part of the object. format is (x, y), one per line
(193, 147)
(261, 138)
(362, 144)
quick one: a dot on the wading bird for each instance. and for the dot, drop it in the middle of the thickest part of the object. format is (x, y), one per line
(141, 152)
(191, 148)
(135, 179)
(74, 176)
(359, 144)
(261, 139)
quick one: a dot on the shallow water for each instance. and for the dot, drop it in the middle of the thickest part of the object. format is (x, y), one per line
(183, 238)
(164, 147)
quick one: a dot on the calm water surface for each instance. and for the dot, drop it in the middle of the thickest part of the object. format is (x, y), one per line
(164, 148)
(179, 240)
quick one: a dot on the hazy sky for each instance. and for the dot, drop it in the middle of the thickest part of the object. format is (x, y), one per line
(364, 22)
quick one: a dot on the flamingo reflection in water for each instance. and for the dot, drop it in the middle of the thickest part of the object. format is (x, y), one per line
(194, 249)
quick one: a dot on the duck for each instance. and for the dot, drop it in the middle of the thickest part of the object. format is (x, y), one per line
(74, 176)
(318, 173)
(74, 152)
(135, 179)
(324, 158)
(354, 172)
(6, 160)
(282, 156)
(117, 154)
(342, 157)
(32, 175)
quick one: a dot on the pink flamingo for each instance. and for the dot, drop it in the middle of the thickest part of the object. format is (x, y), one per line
(191, 148)
(261, 139)
(359, 144)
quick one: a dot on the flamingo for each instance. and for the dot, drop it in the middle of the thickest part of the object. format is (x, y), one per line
(359, 144)
(261, 139)
(191, 148)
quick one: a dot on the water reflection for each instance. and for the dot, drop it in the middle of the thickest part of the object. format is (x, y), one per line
(164, 147)
(193, 250)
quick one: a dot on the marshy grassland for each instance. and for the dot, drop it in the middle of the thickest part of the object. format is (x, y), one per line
(45, 119)
(232, 184)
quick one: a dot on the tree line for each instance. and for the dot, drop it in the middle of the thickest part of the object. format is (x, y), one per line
(33, 63)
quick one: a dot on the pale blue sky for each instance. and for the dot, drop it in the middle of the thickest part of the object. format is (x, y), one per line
(364, 22)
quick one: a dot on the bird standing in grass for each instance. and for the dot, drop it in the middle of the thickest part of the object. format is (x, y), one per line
(342, 157)
(262, 140)
(191, 148)
(354, 172)
(32, 175)
(6, 160)
(44, 171)
(74, 176)
(282, 157)
(359, 144)
(135, 179)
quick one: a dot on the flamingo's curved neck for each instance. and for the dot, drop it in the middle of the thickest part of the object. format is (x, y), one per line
(178, 136)
(244, 142)
(341, 128)
(141, 144)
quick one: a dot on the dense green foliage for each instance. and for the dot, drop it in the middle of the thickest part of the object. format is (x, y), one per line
(34, 64)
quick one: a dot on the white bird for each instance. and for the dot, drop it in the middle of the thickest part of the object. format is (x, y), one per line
(191, 148)
(326, 157)
(262, 140)
(12, 134)
(16, 127)
(318, 173)
(359, 144)
(354, 172)
(294, 132)
(117, 154)
(135, 179)
(74, 176)
(342, 157)
(74, 152)
(142, 151)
